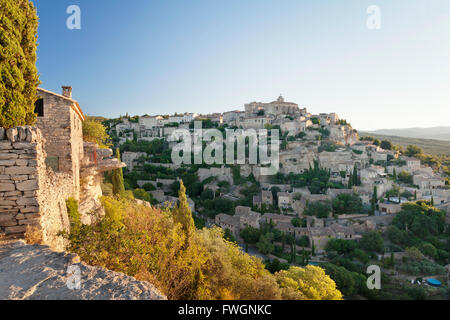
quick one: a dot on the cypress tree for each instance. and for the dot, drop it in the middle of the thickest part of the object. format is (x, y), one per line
(182, 213)
(18, 72)
(350, 182)
(374, 200)
(355, 176)
(117, 178)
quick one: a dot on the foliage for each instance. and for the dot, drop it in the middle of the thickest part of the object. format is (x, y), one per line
(320, 209)
(414, 254)
(265, 243)
(372, 242)
(310, 282)
(347, 282)
(19, 75)
(275, 265)
(413, 150)
(182, 213)
(347, 204)
(386, 145)
(422, 267)
(315, 178)
(157, 149)
(341, 246)
(72, 212)
(142, 195)
(420, 219)
(117, 179)
(94, 131)
(405, 177)
(250, 235)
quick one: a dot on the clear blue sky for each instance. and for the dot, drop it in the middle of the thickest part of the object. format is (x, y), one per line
(160, 57)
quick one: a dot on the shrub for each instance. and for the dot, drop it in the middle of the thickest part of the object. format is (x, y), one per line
(163, 247)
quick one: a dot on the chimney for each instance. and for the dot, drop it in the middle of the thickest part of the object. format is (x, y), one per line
(67, 91)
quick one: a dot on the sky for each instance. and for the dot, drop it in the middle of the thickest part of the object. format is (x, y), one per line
(166, 56)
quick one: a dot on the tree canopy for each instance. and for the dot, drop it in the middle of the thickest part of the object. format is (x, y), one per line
(18, 72)
(94, 131)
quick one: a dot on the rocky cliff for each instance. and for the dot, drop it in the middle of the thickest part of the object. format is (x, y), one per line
(34, 272)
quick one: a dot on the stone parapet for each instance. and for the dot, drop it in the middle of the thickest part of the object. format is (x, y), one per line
(20, 150)
(31, 194)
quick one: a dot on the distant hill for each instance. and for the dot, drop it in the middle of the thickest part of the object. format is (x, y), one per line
(429, 146)
(436, 133)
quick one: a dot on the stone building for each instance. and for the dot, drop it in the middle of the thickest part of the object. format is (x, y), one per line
(60, 119)
(41, 167)
(275, 108)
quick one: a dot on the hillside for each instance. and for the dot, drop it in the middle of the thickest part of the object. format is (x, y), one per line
(429, 146)
(435, 133)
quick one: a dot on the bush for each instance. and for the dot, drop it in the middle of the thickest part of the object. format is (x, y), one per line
(163, 247)
(347, 204)
(372, 242)
(320, 209)
(94, 131)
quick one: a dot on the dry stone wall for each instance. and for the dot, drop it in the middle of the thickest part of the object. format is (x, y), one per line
(30, 193)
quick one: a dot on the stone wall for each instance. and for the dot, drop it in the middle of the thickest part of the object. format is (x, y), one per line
(30, 193)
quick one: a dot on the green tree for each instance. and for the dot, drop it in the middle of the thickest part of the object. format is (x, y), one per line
(414, 254)
(374, 200)
(182, 213)
(429, 250)
(350, 182)
(413, 150)
(320, 209)
(19, 76)
(356, 179)
(386, 145)
(344, 279)
(250, 235)
(142, 195)
(94, 131)
(117, 179)
(405, 177)
(265, 245)
(372, 242)
(347, 204)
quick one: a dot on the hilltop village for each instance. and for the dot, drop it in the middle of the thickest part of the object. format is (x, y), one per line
(332, 184)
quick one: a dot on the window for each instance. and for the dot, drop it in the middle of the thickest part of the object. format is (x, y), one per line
(39, 107)
(52, 162)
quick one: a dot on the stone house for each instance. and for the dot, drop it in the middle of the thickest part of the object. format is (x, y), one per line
(284, 200)
(60, 119)
(412, 163)
(265, 198)
(129, 158)
(389, 207)
(226, 221)
(42, 166)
